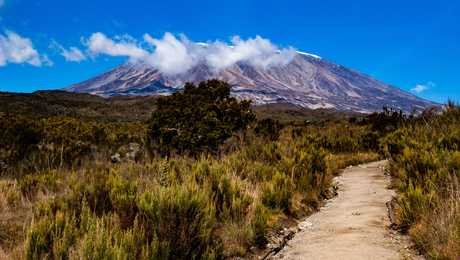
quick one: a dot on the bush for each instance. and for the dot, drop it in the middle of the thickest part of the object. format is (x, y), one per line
(179, 222)
(259, 225)
(387, 121)
(52, 236)
(277, 193)
(32, 183)
(19, 137)
(198, 119)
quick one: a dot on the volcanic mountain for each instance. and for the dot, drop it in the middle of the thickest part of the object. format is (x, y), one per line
(307, 81)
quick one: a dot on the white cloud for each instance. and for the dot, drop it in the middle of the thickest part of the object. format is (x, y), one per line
(98, 44)
(258, 52)
(72, 54)
(419, 88)
(2, 2)
(171, 55)
(175, 55)
(16, 49)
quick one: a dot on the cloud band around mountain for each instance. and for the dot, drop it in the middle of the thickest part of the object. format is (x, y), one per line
(169, 54)
(175, 55)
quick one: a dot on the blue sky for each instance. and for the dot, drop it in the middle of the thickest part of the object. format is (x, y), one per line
(414, 45)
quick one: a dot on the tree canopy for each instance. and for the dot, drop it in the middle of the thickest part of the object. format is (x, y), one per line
(197, 119)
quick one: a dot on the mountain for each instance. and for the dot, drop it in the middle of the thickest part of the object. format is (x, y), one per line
(307, 81)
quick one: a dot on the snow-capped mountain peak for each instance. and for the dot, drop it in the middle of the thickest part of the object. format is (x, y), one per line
(307, 81)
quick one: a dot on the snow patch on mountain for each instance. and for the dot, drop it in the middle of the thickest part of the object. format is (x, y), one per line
(309, 54)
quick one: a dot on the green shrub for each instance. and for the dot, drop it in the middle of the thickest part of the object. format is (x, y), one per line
(103, 240)
(123, 195)
(198, 119)
(230, 201)
(259, 225)
(182, 218)
(19, 137)
(277, 193)
(30, 184)
(51, 237)
(413, 203)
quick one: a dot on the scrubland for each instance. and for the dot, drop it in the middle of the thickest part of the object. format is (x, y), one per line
(176, 207)
(173, 192)
(425, 164)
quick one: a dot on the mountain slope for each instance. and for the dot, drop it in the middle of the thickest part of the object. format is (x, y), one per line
(307, 81)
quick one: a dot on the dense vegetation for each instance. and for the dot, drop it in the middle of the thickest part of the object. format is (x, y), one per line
(130, 108)
(80, 105)
(425, 163)
(219, 185)
(198, 119)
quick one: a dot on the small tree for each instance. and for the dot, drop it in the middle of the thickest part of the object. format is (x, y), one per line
(198, 119)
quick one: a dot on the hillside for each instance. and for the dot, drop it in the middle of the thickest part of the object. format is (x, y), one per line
(62, 103)
(132, 108)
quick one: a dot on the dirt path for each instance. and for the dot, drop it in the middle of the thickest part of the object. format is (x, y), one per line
(353, 225)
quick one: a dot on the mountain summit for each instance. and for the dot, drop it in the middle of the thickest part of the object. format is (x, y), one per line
(307, 81)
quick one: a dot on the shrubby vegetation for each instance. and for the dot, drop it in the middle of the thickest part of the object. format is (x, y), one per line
(198, 119)
(28, 144)
(425, 163)
(215, 182)
(177, 208)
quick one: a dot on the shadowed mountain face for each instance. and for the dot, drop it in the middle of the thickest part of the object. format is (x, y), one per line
(307, 81)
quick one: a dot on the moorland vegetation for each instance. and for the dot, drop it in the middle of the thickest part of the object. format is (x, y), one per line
(206, 177)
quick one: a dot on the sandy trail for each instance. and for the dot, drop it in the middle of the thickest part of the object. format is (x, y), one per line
(353, 225)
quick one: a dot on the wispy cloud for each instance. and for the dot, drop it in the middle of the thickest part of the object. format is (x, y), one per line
(2, 2)
(419, 88)
(175, 55)
(17, 49)
(72, 54)
(98, 44)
